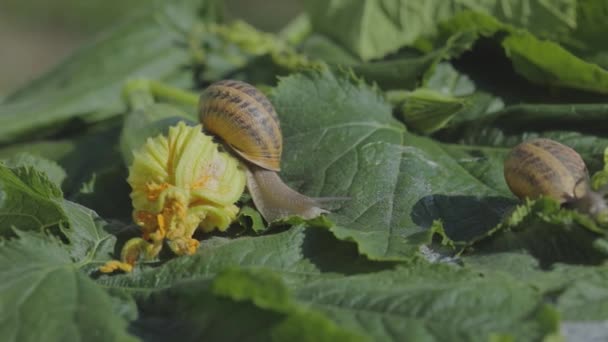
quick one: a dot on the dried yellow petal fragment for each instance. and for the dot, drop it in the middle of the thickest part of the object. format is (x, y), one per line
(180, 183)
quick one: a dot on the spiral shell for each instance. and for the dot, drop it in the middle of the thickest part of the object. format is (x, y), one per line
(243, 118)
(543, 167)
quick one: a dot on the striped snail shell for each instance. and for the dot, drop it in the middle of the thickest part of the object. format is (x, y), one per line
(244, 119)
(543, 167)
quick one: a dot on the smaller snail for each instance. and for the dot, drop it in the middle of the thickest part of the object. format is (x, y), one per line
(543, 167)
(241, 116)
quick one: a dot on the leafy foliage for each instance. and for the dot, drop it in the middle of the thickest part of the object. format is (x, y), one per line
(45, 296)
(425, 241)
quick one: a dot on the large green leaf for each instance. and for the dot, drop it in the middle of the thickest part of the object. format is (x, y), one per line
(45, 297)
(579, 292)
(298, 254)
(586, 299)
(548, 63)
(540, 61)
(396, 192)
(258, 304)
(483, 163)
(425, 302)
(417, 300)
(178, 288)
(405, 70)
(371, 29)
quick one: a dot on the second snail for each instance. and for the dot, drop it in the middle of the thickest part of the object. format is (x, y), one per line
(543, 167)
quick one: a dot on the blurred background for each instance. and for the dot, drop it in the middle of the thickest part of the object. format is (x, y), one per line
(37, 34)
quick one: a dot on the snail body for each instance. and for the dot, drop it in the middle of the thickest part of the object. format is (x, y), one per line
(244, 119)
(274, 199)
(543, 167)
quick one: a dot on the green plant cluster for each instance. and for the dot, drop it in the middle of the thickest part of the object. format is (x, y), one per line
(406, 107)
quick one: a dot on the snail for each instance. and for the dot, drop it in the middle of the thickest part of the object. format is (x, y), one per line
(543, 167)
(245, 120)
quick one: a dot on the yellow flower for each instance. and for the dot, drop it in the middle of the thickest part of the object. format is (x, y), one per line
(179, 183)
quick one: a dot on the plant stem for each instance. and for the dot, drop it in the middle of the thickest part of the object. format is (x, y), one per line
(140, 92)
(177, 95)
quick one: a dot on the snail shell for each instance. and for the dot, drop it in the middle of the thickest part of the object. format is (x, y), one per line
(543, 167)
(245, 119)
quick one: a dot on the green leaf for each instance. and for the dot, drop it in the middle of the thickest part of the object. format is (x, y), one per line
(414, 301)
(90, 244)
(95, 178)
(197, 310)
(540, 61)
(190, 312)
(372, 29)
(427, 111)
(401, 73)
(298, 254)
(578, 291)
(396, 192)
(547, 232)
(483, 163)
(448, 81)
(433, 303)
(320, 47)
(549, 64)
(477, 101)
(266, 290)
(249, 217)
(600, 178)
(407, 69)
(53, 171)
(29, 200)
(45, 297)
(586, 299)
(591, 24)
(32, 202)
(404, 70)
(262, 287)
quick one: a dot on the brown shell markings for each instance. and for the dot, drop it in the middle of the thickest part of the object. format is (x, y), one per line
(543, 167)
(244, 119)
